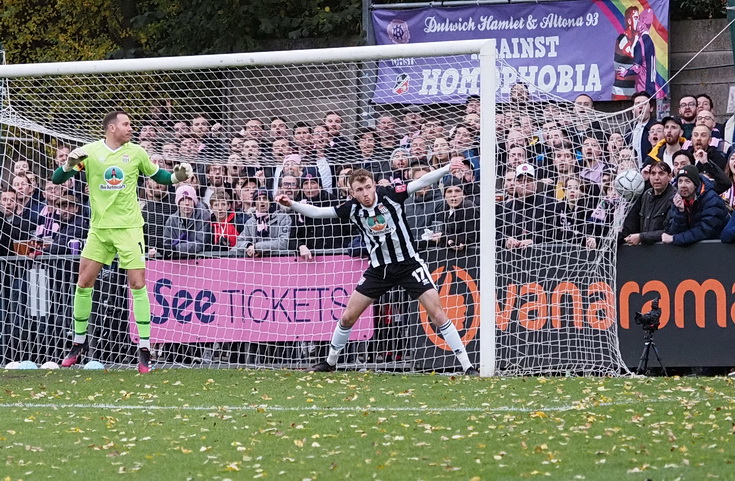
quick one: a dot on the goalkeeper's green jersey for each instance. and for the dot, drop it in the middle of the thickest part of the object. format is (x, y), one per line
(112, 176)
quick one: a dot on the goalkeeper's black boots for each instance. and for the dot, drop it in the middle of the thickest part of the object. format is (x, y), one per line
(471, 371)
(75, 355)
(323, 366)
(144, 360)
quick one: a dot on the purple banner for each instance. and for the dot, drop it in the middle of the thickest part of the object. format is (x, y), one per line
(606, 49)
(255, 300)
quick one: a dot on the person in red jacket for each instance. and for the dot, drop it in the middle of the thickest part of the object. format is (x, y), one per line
(225, 224)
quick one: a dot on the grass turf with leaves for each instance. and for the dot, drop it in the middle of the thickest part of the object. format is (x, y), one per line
(235, 424)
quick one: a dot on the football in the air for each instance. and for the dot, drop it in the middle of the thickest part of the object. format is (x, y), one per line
(629, 184)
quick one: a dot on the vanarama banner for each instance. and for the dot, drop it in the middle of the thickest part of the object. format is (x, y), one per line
(607, 49)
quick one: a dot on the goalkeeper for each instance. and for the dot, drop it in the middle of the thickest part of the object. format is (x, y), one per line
(113, 166)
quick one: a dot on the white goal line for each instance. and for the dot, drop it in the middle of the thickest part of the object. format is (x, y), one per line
(265, 407)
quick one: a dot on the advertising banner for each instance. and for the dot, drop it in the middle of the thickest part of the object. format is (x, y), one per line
(538, 302)
(255, 300)
(696, 288)
(303, 300)
(607, 49)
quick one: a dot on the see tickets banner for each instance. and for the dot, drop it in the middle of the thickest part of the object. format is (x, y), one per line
(607, 49)
(256, 300)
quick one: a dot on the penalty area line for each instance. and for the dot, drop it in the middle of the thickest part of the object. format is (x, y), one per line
(276, 408)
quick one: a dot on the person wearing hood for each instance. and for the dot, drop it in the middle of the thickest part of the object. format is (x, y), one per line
(187, 230)
(709, 171)
(266, 231)
(698, 212)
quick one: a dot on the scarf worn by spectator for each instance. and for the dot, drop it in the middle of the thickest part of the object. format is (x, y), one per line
(261, 221)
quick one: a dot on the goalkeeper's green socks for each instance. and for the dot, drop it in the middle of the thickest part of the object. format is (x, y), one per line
(142, 311)
(82, 311)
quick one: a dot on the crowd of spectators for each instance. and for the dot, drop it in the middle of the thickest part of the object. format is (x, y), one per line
(558, 177)
(556, 168)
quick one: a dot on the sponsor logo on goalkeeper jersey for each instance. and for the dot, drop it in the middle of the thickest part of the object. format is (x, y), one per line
(114, 179)
(398, 31)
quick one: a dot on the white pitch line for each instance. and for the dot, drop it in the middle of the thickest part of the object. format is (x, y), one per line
(265, 407)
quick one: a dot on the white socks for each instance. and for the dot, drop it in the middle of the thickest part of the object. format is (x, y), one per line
(339, 339)
(451, 336)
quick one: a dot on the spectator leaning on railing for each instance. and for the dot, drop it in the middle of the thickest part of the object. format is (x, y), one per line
(186, 231)
(698, 213)
(647, 219)
(267, 231)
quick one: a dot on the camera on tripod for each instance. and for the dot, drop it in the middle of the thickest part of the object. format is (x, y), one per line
(651, 319)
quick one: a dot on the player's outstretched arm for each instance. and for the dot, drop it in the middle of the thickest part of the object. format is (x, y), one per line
(428, 179)
(307, 209)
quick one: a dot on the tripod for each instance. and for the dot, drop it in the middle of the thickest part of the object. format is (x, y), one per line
(643, 363)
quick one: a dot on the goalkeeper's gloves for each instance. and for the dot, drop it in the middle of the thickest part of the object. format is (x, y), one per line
(182, 172)
(75, 158)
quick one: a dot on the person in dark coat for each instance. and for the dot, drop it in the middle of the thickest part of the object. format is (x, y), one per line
(644, 112)
(576, 223)
(457, 219)
(650, 215)
(72, 226)
(702, 150)
(314, 234)
(698, 212)
(158, 208)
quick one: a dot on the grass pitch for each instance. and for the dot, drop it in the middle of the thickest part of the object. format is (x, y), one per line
(234, 424)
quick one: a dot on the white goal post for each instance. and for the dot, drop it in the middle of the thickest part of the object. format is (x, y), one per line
(219, 306)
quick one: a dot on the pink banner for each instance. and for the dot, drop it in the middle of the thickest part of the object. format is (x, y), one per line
(255, 300)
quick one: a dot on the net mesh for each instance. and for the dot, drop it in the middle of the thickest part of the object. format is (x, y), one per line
(242, 281)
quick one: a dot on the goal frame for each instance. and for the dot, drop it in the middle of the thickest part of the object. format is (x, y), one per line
(485, 49)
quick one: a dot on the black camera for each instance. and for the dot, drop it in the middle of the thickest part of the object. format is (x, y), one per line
(651, 319)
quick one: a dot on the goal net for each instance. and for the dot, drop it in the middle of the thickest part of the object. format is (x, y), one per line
(239, 281)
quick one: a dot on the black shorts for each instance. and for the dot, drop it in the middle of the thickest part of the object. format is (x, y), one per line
(412, 275)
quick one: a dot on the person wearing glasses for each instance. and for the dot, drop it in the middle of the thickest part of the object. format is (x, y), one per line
(688, 114)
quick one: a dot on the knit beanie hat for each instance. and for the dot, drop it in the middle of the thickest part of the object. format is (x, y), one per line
(690, 172)
(184, 191)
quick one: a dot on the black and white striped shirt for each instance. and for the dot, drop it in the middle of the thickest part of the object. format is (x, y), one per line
(384, 227)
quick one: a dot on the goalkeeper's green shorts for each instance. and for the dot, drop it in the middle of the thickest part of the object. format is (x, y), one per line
(128, 244)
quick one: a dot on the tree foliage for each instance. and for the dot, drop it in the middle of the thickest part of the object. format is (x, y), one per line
(223, 26)
(697, 9)
(57, 30)
(43, 31)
